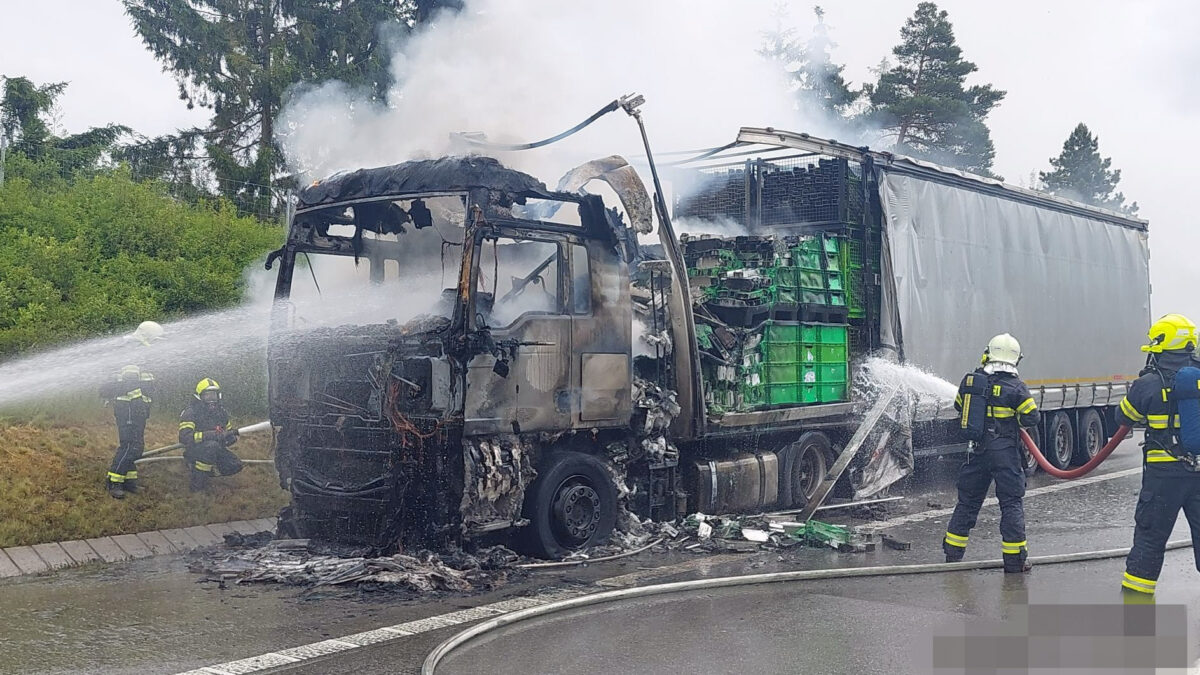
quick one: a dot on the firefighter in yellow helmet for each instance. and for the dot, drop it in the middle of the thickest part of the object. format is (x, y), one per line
(1170, 478)
(206, 436)
(994, 404)
(130, 393)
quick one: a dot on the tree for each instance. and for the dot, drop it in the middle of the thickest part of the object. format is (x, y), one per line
(1080, 173)
(923, 101)
(240, 57)
(25, 119)
(815, 78)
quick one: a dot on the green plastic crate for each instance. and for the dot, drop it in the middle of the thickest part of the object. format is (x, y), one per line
(808, 373)
(783, 394)
(836, 298)
(783, 331)
(830, 333)
(831, 373)
(781, 373)
(806, 259)
(833, 282)
(832, 262)
(781, 352)
(831, 244)
(831, 393)
(810, 333)
(807, 352)
(814, 297)
(807, 278)
(830, 353)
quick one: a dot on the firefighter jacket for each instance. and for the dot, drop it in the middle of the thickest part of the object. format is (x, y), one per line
(1010, 407)
(202, 423)
(1146, 404)
(130, 396)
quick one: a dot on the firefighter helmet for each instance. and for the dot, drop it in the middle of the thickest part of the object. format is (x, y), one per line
(1003, 348)
(205, 385)
(1170, 333)
(147, 332)
(129, 373)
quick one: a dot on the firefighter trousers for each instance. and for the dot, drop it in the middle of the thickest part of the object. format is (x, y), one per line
(1167, 489)
(131, 443)
(1003, 466)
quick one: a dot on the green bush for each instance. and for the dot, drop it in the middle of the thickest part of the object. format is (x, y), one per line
(98, 252)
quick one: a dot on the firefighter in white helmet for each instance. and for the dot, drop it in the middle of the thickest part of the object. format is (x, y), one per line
(993, 404)
(130, 392)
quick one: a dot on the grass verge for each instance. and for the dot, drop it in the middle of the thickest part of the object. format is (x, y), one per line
(52, 488)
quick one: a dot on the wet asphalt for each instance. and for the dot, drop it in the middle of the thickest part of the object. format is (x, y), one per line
(154, 616)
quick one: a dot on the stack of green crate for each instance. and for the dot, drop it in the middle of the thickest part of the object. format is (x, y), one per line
(814, 275)
(852, 267)
(781, 363)
(824, 361)
(737, 385)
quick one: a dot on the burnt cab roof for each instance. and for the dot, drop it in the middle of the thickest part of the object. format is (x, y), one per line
(447, 174)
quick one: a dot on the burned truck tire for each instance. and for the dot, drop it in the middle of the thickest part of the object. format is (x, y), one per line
(803, 465)
(571, 505)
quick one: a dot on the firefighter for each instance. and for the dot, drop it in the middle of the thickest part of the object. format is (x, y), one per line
(205, 434)
(994, 404)
(130, 393)
(1170, 477)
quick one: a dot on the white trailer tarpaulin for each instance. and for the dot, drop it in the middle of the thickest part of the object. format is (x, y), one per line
(968, 264)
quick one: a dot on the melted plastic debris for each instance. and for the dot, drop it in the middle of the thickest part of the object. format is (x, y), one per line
(300, 562)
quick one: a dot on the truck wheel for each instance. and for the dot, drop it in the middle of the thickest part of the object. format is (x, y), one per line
(1061, 439)
(804, 465)
(571, 505)
(1031, 465)
(1091, 436)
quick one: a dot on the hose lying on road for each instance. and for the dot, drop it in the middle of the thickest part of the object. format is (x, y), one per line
(1092, 463)
(443, 650)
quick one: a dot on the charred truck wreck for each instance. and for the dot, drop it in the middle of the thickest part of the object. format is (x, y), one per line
(457, 350)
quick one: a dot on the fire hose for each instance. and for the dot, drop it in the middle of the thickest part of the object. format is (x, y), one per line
(1122, 432)
(260, 426)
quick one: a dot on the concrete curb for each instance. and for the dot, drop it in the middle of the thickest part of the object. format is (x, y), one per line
(42, 558)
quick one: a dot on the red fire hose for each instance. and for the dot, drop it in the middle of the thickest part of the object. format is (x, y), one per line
(1094, 462)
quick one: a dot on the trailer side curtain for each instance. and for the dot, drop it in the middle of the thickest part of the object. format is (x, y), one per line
(968, 265)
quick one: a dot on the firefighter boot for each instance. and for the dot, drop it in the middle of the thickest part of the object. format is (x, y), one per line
(1015, 563)
(131, 485)
(116, 490)
(956, 551)
(198, 482)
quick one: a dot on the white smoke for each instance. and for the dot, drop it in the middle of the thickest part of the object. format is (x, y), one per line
(522, 70)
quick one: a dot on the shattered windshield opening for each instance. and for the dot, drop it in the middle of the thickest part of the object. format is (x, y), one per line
(388, 261)
(516, 277)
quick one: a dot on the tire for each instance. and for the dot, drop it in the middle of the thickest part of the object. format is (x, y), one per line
(1031, 465)
(803, 465)
(1091, 436)
(571, 505)
(1060, 441)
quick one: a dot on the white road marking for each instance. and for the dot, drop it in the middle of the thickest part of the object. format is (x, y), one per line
(284, 657)
(990, 501)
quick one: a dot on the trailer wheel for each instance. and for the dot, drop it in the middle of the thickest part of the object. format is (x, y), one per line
(1061, 439)
(805, 463)
(1031, 465)
(1091, 436)
(571, 505)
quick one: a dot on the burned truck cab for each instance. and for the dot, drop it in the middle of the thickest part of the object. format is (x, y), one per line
(448, 339)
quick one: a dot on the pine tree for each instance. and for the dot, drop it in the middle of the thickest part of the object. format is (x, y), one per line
(1080, 173)
(26, 111)
(820, 78)
(240, 57)
(923, 101)
(816, 80)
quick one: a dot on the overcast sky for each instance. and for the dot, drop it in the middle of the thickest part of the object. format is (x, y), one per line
(1126, 69)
